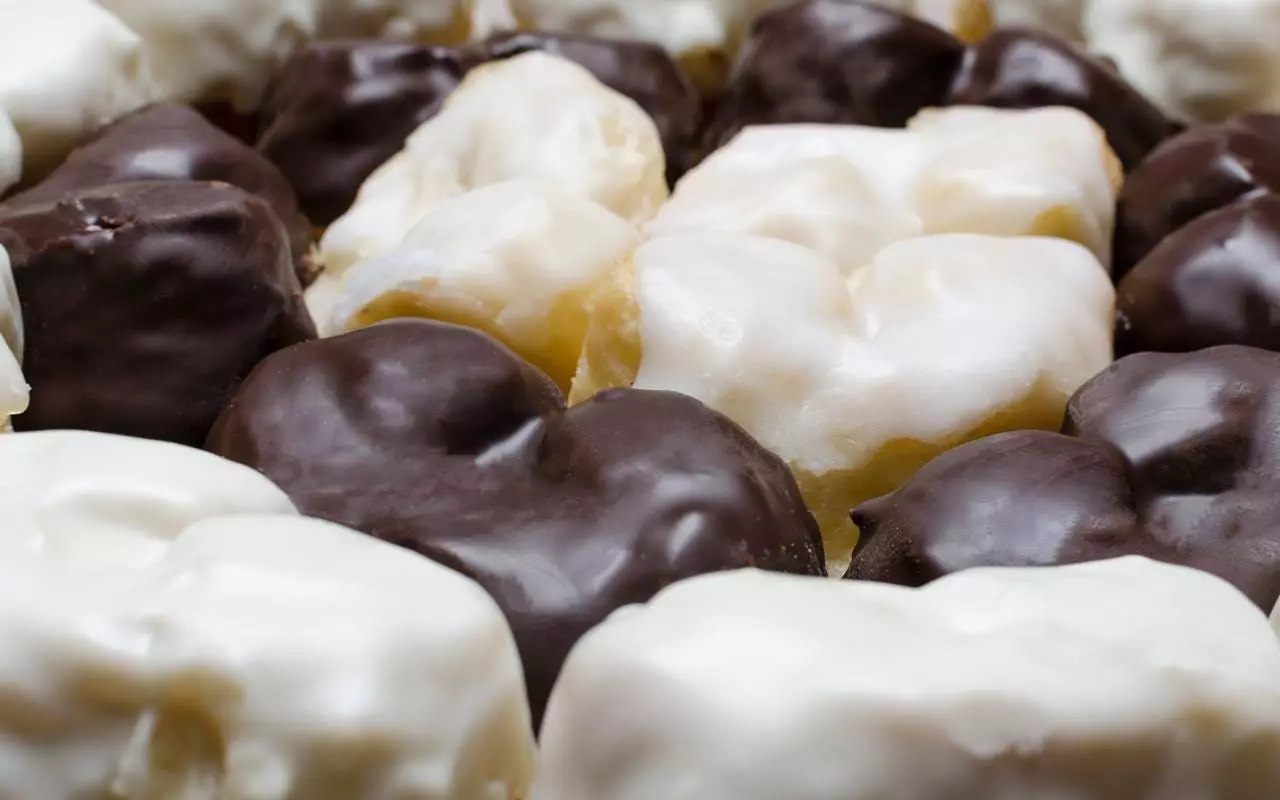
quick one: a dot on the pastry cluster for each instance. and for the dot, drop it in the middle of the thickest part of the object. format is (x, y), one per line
(622, 400)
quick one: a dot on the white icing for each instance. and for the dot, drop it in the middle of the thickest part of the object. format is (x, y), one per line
(66, 68)
(173, 630)
(10, 153)
(1201, 60)
(14, 393)
(847, 191)
(536, 117)
(446, 21)
(1062, 18)
(1120, 679)
(519, 260)
(211, 50)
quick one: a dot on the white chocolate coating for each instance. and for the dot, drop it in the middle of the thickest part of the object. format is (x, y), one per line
(857, 382)
(10, 153)
(442, 21)
(158, 644)
(1200, 60)
(536, 117)
(14, 393)
(217, 50)
(1119, 679)
(1062, 18)
(518, 260)
(847, 191)
(66, 69)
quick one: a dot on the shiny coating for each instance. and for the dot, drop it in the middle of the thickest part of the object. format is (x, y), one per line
(173, 142)
(1214, 281)
(830, 61)
(1019, 68)
(1172, 456)
(146, 304)
(1193, 174)
(439, 439)
(337, 110)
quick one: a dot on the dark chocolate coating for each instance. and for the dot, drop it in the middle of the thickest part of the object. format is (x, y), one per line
(437, 438)
(173, 142)
(146, 304)
(835, 61)
(1214, 281)
(642, 71)
(337, 110)
(1021, 68)
(1193, 174)
(1171, 456)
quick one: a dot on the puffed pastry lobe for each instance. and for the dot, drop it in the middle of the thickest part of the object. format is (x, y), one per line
(518, 260)
(1119, 679)
(856, 381)
(174, 629)
(847, 191)
(536, 117)
(67, 68)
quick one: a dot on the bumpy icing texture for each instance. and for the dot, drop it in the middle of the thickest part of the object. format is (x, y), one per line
(436, 438)
(172, 142)
(847, 191)
(520, 261)
(147, 303)
(173, 629)
(1193, 174)
(861, 62)
(856, 382)
(1173, 456)
(1124, 679)
(66, 68)
(534, 116)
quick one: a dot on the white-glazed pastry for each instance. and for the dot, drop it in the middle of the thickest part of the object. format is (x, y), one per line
(856, 382)
(536, 117)
(517, 260)
(217, 50)
(1201, 60)
(66, 68)
(14, 393)
(165, 638)
(847, 191)
(1118, 679)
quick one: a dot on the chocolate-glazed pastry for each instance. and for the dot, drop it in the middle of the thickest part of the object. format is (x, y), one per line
(641, 70)
(338, 110)
(173, 142)
(1214, 281)
(1171, 456)
(146, 304)
(1190, 175)
(439, 439)
(835, 61)
(1022, 68)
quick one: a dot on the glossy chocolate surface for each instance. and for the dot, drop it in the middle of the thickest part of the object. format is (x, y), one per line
(1193, 174)
(1020, 68)
(338, 110)
(833, 61)
(439, 439)
(640, 70)
(1172, 456)
(1214, 281)
(173, 142)
(146, 304)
